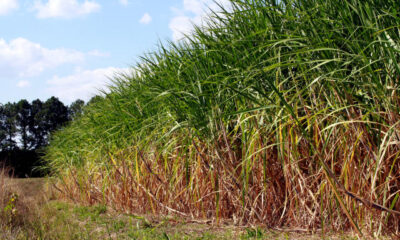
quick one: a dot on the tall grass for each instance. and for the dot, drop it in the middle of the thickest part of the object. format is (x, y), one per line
(15, 210)
(275, 112)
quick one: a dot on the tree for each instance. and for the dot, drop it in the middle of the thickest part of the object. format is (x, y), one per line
(55, 115)
(23, 121)
(3, 130)
(9, 114)
(37, 126)
(28, 126)
(76, 109)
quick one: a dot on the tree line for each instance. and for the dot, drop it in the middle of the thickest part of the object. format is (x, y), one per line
(25, 128)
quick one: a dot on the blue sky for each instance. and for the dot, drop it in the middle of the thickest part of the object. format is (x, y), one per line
(68, 48)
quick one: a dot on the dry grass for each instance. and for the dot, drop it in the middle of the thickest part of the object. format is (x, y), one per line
(20, 200)
(39, 218)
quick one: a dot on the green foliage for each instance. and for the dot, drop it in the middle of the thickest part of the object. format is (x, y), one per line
(291, 59)
(9, 212)
(93, 212)
(254, 233)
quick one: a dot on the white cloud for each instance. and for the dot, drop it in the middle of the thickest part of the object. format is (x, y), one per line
(82, 84)
(6, 6)
(65, 8)
(146, 19)
(22, 58)
(181, 25)
(97, 53)
(192, 12)
(197, 7)
(124, 2)
(23, 84)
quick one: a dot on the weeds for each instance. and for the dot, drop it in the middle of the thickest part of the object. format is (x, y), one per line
(14, 211)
